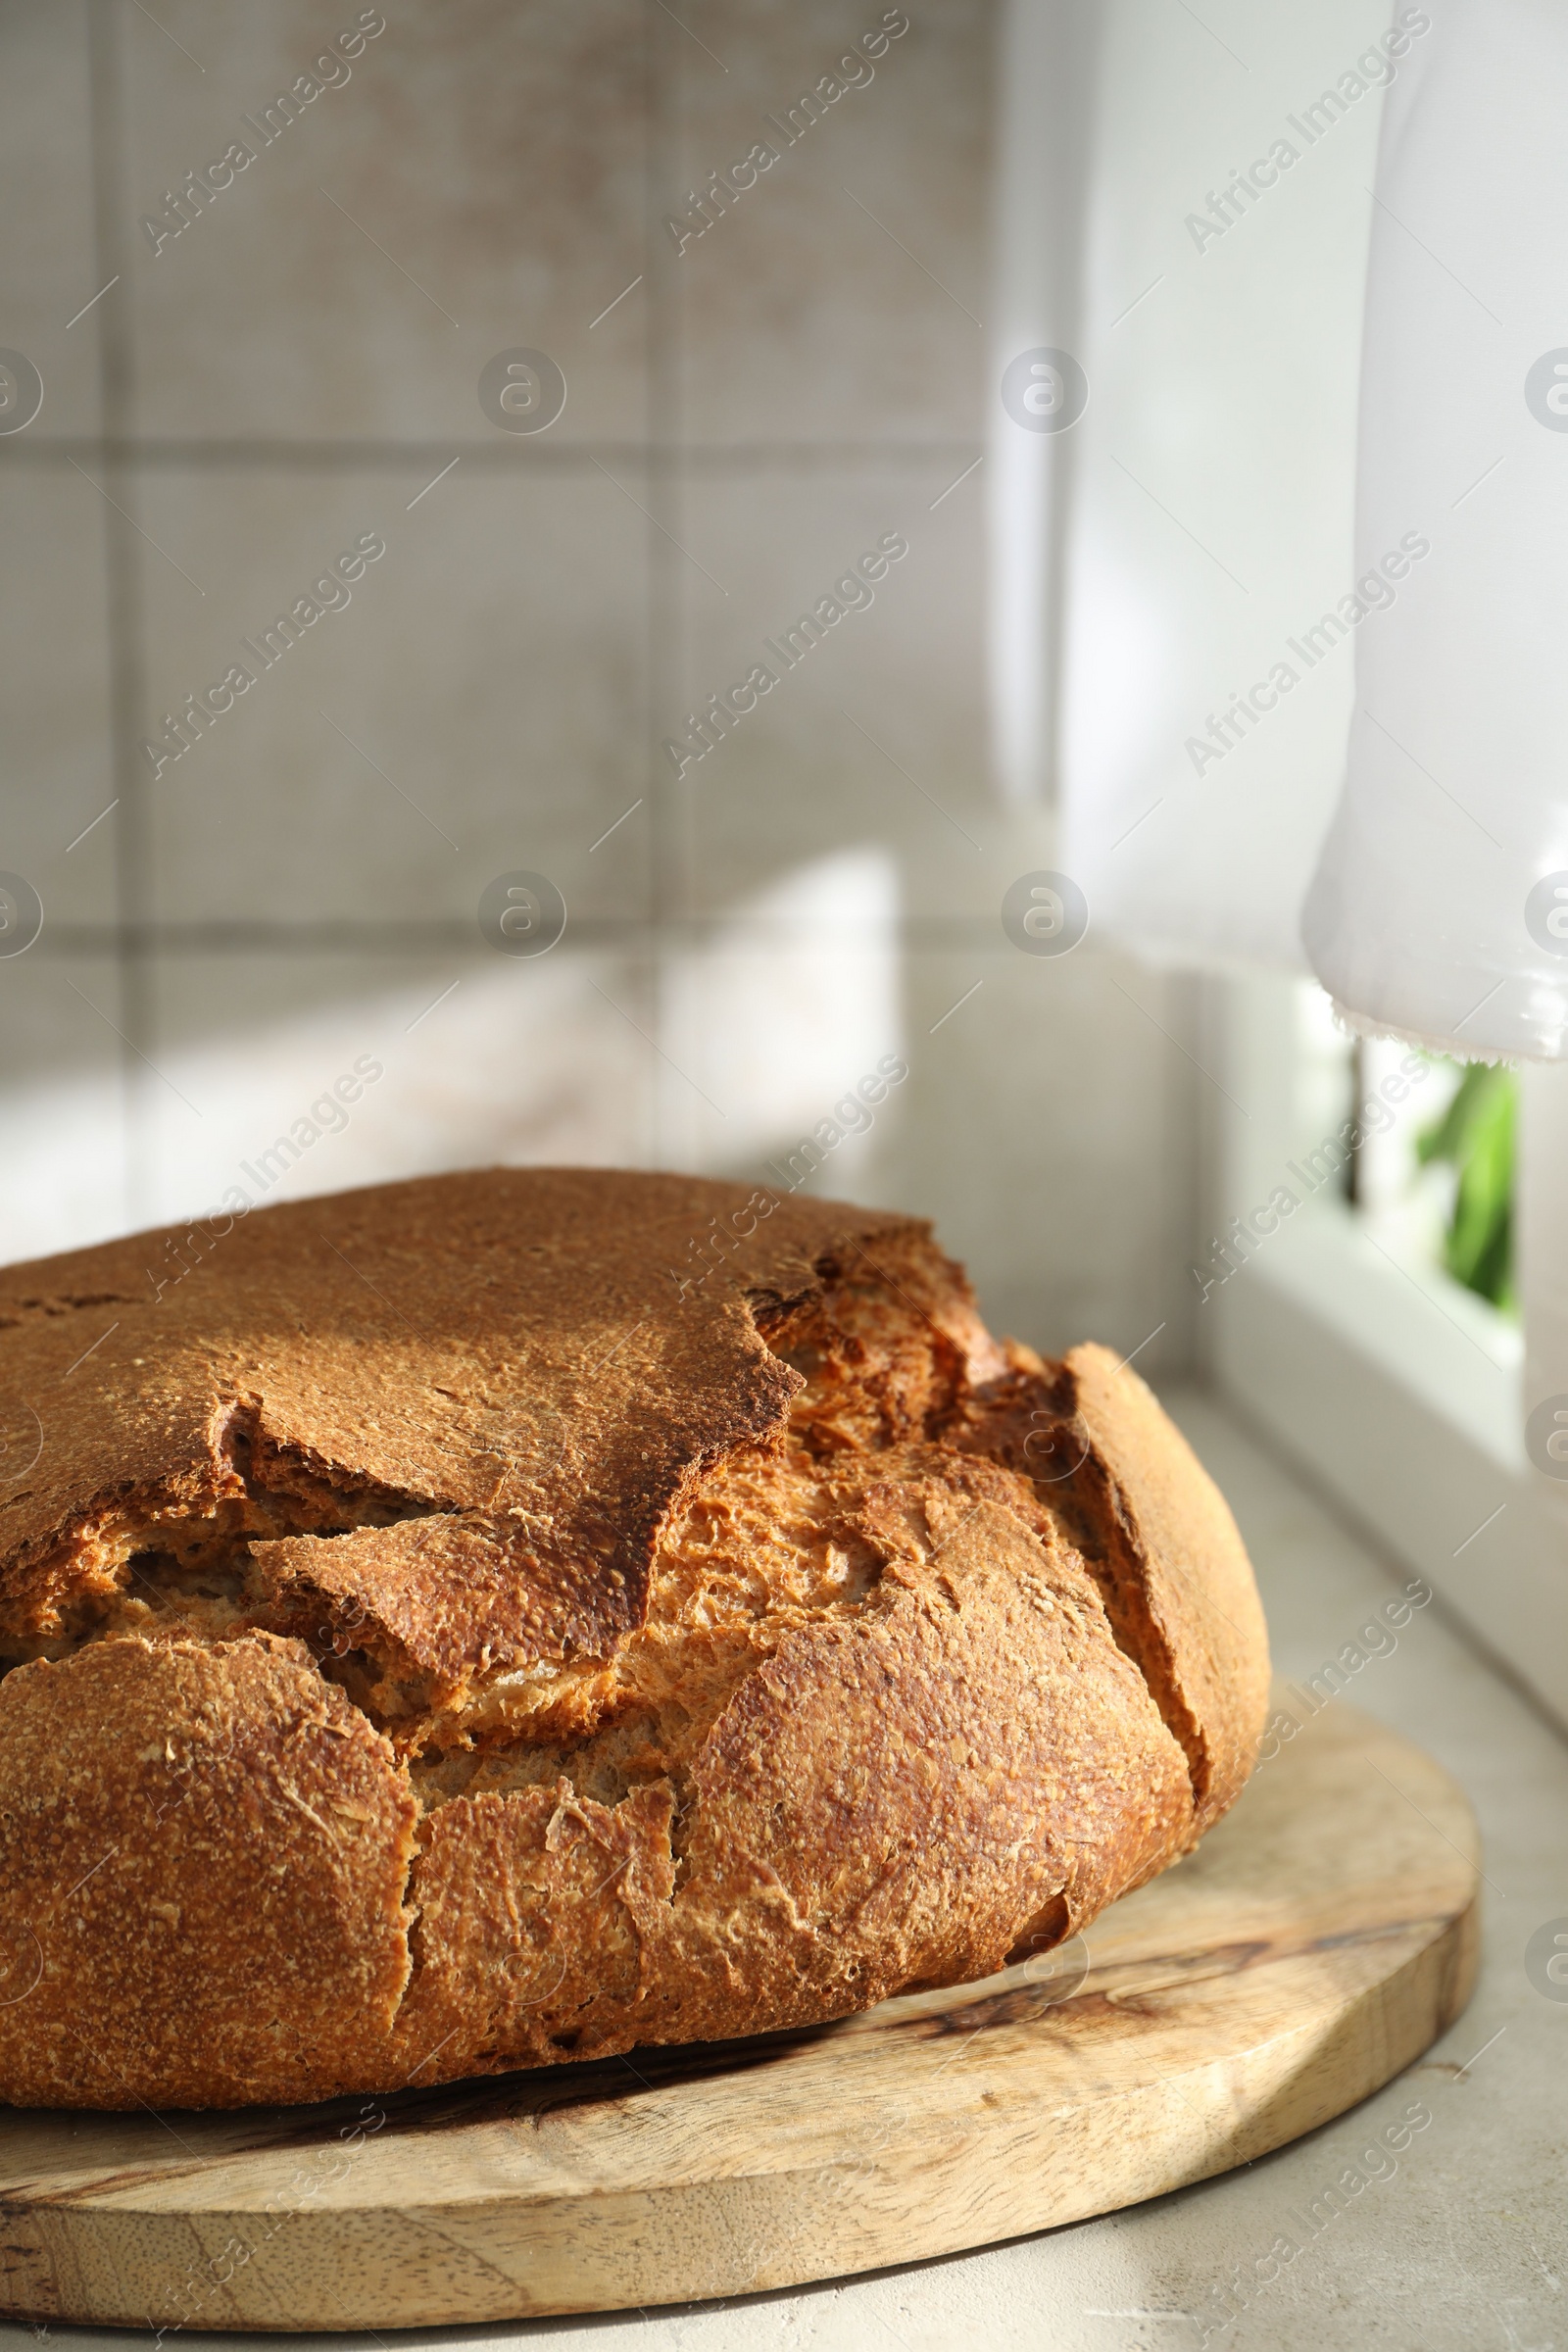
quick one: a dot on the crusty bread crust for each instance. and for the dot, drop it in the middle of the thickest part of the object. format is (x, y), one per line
(467, 1626)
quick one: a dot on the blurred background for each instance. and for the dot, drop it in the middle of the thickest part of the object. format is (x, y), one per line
(270, 266)
(746, 414)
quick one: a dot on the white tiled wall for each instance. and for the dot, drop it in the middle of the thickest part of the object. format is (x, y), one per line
(299, 367)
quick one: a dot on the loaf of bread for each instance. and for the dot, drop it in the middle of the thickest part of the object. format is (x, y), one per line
(512, 1616)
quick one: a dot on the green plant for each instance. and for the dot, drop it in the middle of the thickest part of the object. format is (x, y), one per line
(1475, 1136)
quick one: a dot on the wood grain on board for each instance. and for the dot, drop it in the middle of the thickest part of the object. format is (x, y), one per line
(1320, 1941)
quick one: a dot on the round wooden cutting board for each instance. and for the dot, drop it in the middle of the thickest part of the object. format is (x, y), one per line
(1320, 1939)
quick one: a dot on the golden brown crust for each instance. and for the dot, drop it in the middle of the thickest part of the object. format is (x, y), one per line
(203, 1850)
(888, 1801)
(1157, 1537)
(487, 1630)
(1169, 1526)
(514, 1343)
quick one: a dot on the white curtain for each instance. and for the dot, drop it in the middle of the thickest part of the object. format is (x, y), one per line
(1307, 567)
(1440, 907)
(1211, 509)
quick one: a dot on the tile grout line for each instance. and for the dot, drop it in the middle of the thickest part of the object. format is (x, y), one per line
(395, 940)
(669, 798)
(443, 935)
(123, 582)
(738, 458)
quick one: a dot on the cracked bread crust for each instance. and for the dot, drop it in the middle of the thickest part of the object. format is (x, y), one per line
(1159, 1539)
(448, 1635)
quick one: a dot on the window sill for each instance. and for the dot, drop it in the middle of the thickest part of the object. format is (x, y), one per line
(1402, 1397)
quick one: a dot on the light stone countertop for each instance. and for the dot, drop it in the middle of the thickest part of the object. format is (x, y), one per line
(1464, 2249)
